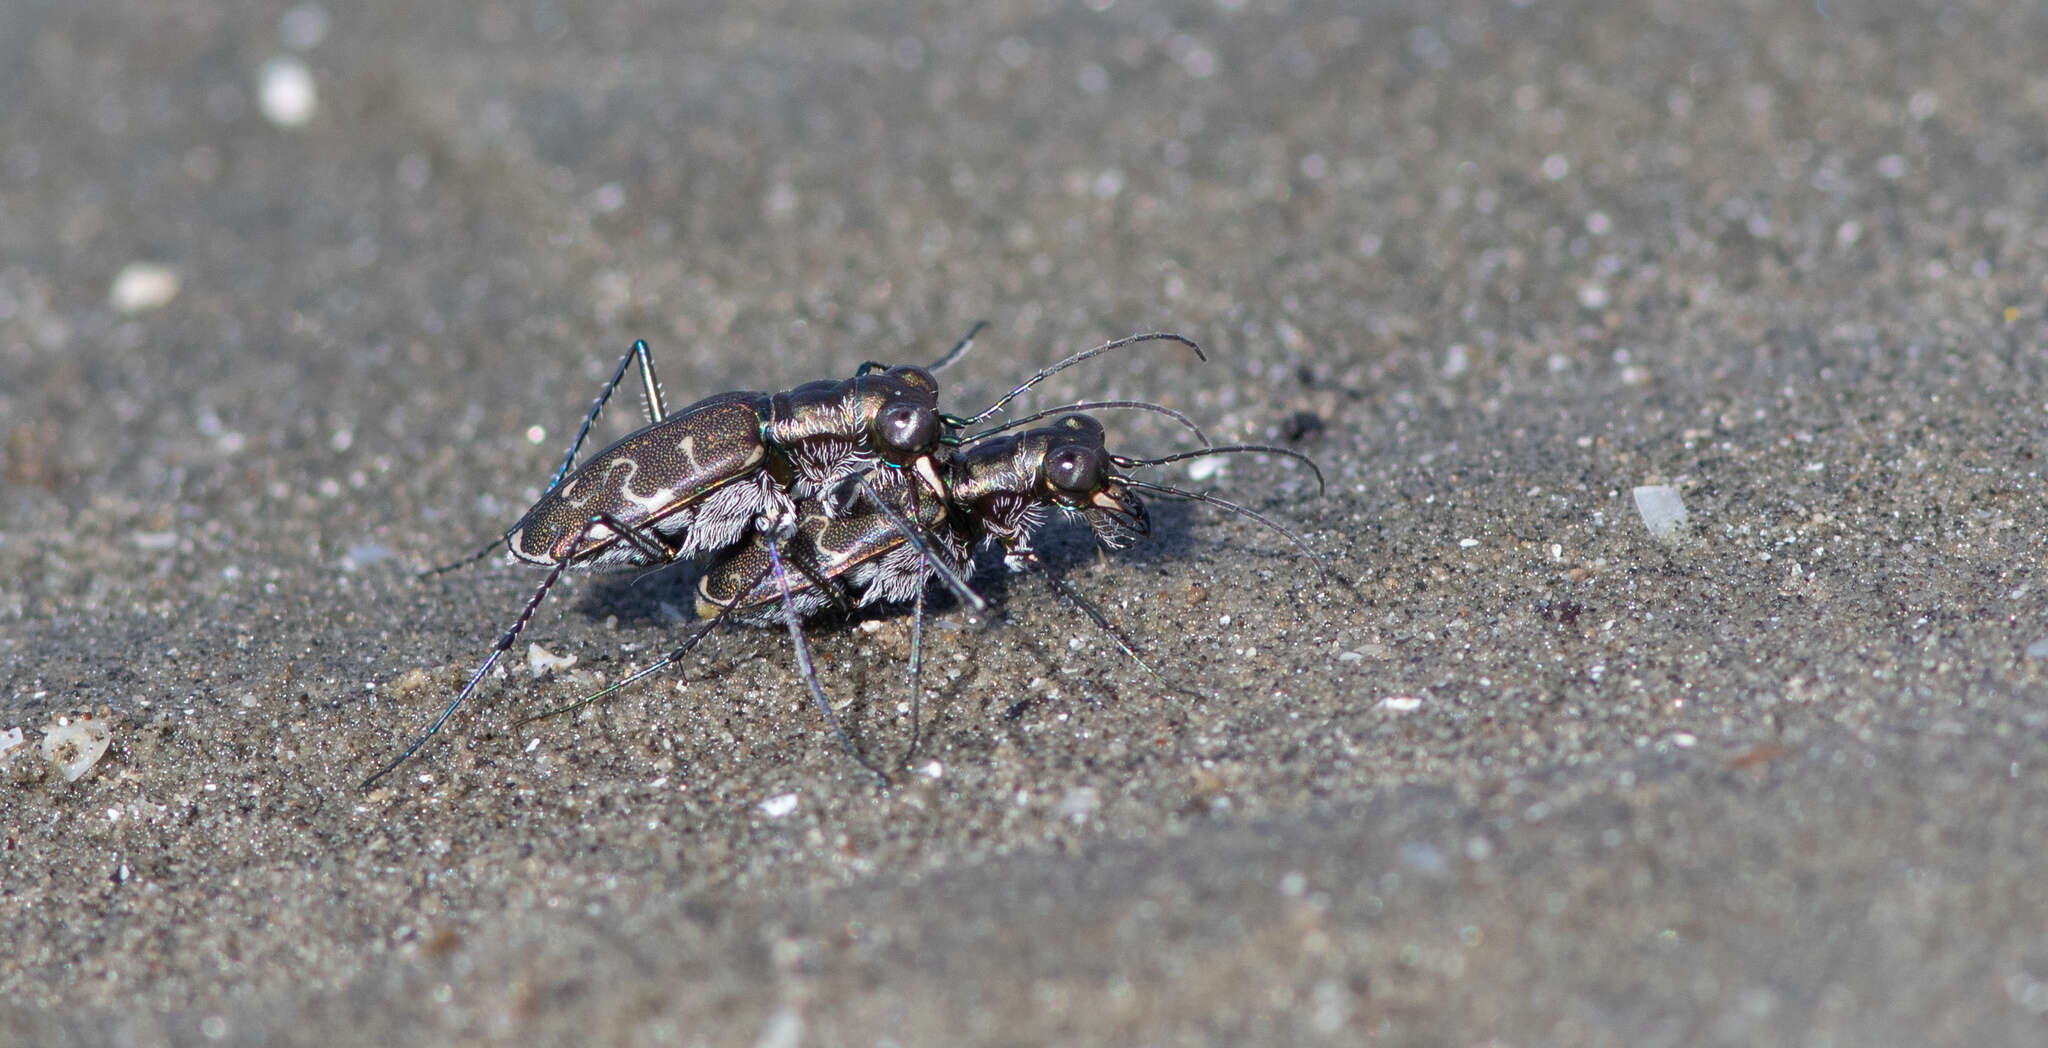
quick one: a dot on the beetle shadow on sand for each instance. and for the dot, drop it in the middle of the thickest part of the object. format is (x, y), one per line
(867, 689)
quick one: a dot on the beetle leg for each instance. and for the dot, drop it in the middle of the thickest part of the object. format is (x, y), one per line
(475, 679)
(779, 521)
(959, 349)
(916, 679)
(638, 352)
(1074, 597)
(810, 573)
(837, 499)
(649, 546)
(651, 668)
(807, 670)
(915, 536)
(654, 414)
(650, 386)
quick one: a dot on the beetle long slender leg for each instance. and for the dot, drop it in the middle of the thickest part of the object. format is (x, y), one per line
(916, 680)
(1149, 336)
(1197, 496)
(638, 352)
(1031, 559)
(651, 548)
(914, 536)
(650, 386)
(457, 565)
(810, 672)
(654, 414)
(632, 678)
(810, 573)
(654, 667)
(497, 652)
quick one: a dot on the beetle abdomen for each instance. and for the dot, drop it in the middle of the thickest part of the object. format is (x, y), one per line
(709, 458)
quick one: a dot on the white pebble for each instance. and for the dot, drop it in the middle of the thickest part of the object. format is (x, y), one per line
(143, 286)
(1457, 360)
(74, 744)
(779, 805)
(1400, 704)
(155, 541)
(1662, 510)
(286, 93)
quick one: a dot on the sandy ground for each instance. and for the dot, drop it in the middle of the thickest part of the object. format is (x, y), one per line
(1520, 773)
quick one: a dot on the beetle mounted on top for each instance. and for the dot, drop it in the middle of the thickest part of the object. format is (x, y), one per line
(703, 478)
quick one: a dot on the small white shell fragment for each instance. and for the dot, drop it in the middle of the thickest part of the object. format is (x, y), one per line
(142, 286)
(73, 744)
(1662, 510)
(779, 805)
(539, 660)
(1400, 703)
(10, 740)
(286, 93)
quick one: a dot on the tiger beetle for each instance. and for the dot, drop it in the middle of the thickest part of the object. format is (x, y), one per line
(1001, 490)
(698, 480)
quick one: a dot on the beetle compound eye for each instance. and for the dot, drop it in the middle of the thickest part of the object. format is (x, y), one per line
(1073, 469)
(909, 428)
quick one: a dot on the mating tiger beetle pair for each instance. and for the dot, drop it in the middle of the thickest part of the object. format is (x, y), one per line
(836, 494)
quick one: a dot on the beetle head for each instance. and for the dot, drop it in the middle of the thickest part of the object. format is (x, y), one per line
(1080, 476)
(903, 406)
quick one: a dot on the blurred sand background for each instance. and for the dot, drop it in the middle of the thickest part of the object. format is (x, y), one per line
(296, 301)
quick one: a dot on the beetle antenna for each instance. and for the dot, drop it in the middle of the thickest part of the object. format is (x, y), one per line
(959, 349)
(1231, 449)
(1149, 336)
(1095, 405)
